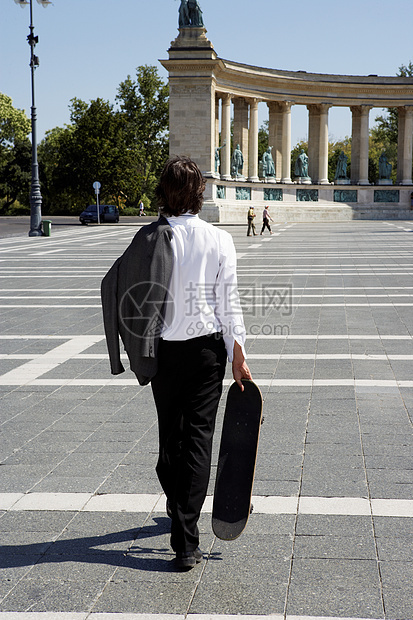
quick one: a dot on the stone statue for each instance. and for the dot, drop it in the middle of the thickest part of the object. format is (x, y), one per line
(268, 168)
(385, 167)
(195, 14)
(184, 14)
(217, 160)
(237, 162)
(301, 165)
(341, 169)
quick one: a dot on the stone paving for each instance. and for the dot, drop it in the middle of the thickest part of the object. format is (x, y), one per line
(84, 534)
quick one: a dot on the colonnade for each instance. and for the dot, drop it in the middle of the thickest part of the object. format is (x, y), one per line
(245, 133)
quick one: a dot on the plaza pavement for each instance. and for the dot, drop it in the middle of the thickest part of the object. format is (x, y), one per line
(84, 534)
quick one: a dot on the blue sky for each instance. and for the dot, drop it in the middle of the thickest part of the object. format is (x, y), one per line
(87, 47)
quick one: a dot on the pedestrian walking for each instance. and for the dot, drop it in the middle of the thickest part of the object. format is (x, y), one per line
(179, 318)
(266, 217)
(141, 208)
(251, 224)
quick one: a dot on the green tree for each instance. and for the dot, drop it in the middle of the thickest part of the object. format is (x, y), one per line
(144, 110)
(55, 170)
(15, 176)
(384, 135)
(15, 155)
(91, 149)
(14, 124)
(122, 147)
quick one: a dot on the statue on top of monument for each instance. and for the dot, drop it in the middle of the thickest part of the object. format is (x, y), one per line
(190, 14)
(184, 14)
(195, 13)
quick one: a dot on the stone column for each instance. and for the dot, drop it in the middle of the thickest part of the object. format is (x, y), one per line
(253, 142)
(217, 121)
(323, 145)
(226, 137)
(275, 135)
(404, 150)
(360, 145)
(241, 128)
(313, 142)
(286, 142)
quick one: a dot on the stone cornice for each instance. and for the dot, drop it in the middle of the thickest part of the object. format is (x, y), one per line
(298, 87)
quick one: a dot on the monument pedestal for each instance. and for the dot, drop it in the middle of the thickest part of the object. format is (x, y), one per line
(341, 181)
(384, 182)
(304, 180)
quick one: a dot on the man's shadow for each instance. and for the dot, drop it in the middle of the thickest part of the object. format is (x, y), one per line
(86, 549)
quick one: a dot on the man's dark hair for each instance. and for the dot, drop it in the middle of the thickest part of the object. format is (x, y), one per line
(181, 187)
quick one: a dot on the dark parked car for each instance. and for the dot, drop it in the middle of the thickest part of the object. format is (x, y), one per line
(107, 213)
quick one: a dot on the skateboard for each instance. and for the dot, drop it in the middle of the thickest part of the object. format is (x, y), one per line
(236, 461)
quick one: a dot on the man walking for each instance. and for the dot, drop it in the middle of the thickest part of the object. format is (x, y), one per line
(251, 224)
(266, 217)
(181, 321)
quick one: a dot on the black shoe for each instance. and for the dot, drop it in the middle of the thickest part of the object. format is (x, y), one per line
(168, 509)
(188, 559)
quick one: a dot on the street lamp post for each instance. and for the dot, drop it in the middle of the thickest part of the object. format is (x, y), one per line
(35, 194)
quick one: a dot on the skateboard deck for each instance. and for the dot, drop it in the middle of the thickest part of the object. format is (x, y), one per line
(236, 461)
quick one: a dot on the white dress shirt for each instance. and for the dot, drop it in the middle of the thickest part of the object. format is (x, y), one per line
(203, 295)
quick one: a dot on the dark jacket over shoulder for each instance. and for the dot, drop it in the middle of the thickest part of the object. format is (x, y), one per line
(133, 299)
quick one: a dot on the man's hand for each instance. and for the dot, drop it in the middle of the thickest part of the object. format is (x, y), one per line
(240, 369)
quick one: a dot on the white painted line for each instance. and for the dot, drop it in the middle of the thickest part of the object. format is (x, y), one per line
(243, 305)
(290, 617)
(387, 507)
(47, 252)
(40, 296)
(46, 337)
(52, 501)
(44, 363)
(251, 356)
(309, 356)
(56, 306)
(229, 617)
(132, 616)
(293, 287)
(7, 500)
(148, 503)
(286, 336)
(334, 506)
(355, 383)
(48, 615)
(125, 503)
(328, 337)
(274, 505)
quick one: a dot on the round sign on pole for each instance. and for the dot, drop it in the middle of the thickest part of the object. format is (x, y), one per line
(96, 185)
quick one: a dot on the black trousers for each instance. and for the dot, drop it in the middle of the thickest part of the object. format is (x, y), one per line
(265, 224)
(187, 389)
